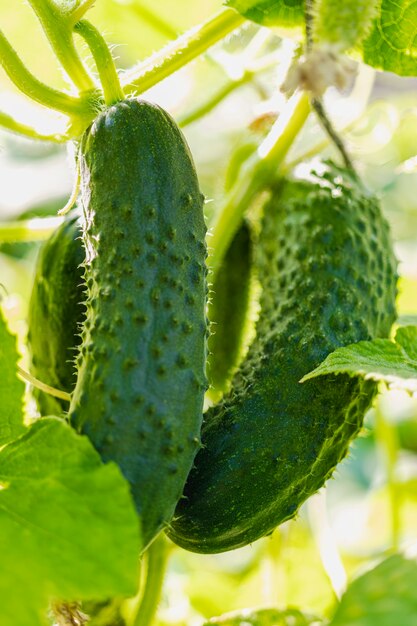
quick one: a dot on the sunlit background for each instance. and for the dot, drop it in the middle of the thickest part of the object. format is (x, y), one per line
(371, 506)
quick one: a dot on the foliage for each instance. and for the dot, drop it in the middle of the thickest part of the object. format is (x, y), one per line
(395, 363)
(70, 536)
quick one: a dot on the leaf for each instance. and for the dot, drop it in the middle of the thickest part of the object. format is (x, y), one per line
(392, 44)
(380, 360)
(270, 12)
(68, 528)
(11, 388)
(384, 596)
(392, 41)
(265, 617)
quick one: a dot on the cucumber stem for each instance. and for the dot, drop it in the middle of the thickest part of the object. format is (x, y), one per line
(215, 99)
(259, 170)
(317, 102)
(79, 11)
(34, 88)
(104, 61)
(57, 25)
(181, 51)
(154, 20)
(36, 229)
(7, 121)
(57, 393)
(387, 438)
(156, 556)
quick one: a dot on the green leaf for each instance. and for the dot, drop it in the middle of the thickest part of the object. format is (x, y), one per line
(270, 12)
(265, 617)
(380, 360)
(11, 388)
(384, 596)
(392, 44)
(68, 528)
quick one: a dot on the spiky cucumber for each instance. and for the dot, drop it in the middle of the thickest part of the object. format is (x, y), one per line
(228, 310)
(328, 274)
(56, 312)
(141, 380)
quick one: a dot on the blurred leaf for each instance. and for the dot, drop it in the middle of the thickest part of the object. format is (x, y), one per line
(384, 596)
(11, 388)
(380, 359)
(265, 617)
(62, 535)
(391, 45)
(271, 12)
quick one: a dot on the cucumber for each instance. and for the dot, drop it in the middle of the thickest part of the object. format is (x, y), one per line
(228, 311)
(328, 274)
(56, 311)
(141, 368)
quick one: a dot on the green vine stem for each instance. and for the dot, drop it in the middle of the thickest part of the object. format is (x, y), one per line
(58, 26)
(361, 92)
(325, 540)
(36, 229)
(34, 88)
(256, 175)
(387, 439)
(156, 557)
(8, 122)
(317, 102)
(57, 393)
(218, 97)
(104, 61)
(181, 51)
(144, 13)
(79, 11)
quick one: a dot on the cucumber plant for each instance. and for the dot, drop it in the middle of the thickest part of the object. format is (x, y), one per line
(131, 300)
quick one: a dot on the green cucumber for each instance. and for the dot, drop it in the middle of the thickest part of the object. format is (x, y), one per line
(56, 312)
(228, 310)
(328, 274)
(141, 368)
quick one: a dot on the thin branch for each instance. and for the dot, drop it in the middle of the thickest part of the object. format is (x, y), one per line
(181, 51)
(8, 122)
(31, 86)
(317, 102)
(57, 393)
(104, 61)
(318, 107)
(79, 12)
(35, 229)
(58, 27)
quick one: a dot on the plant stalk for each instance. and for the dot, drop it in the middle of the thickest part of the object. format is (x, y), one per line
(34, 88)
(8, 122)
(157, 555)
(181, 51)
(36, 229)
(58, 26)
(260, 169)
(57, 393)
(104, 61)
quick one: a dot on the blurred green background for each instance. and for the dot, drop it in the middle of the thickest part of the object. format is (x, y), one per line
(370, 508)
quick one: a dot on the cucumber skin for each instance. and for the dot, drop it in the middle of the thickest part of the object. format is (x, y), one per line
(228, 310)
(56, 312)
(141, 380)
(328, 274)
